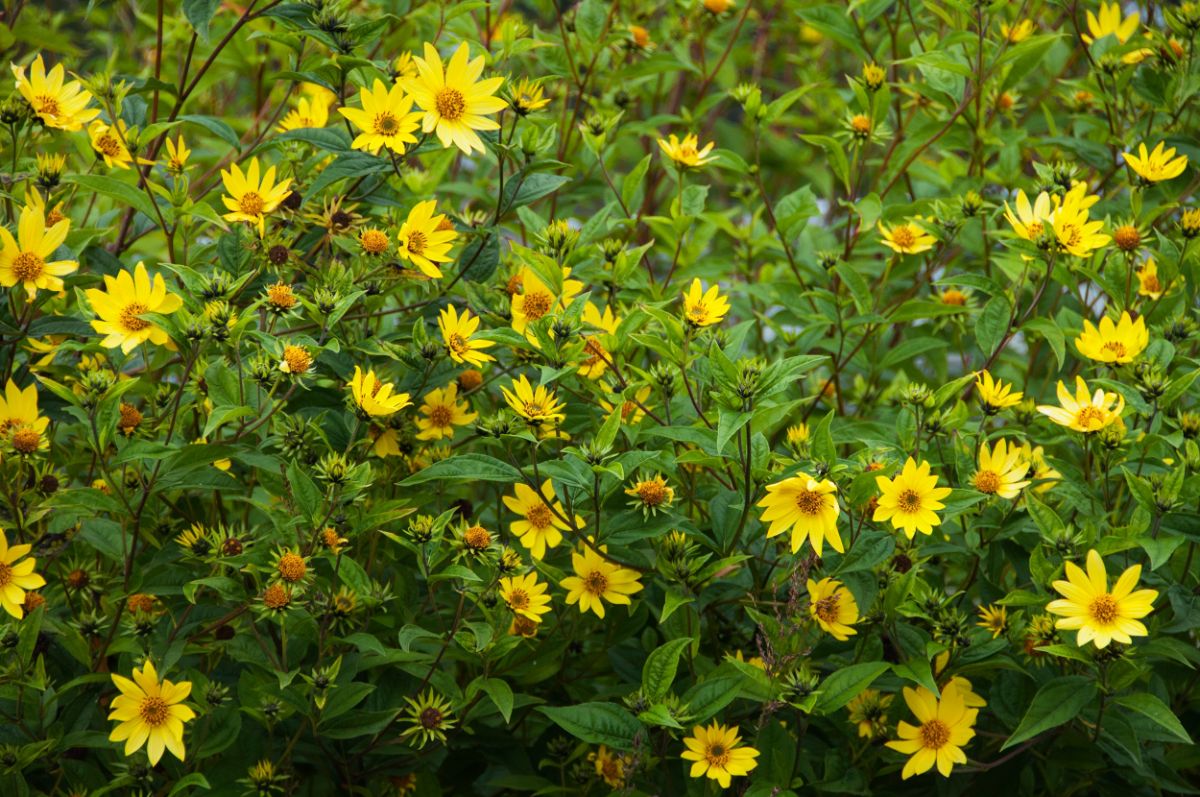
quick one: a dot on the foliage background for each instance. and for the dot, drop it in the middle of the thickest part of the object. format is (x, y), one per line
(827, 327)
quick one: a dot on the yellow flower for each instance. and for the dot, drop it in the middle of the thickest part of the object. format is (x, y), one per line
(704, 308)
(425, 238)
(1121, 342)
(687, 154)
(798, 434)
(310, 111)
(717, 752)
(404, 66)
(597, 580)
(1084, 412)
(994, 395)
(946, 726)
(26, 259)
(610, 767)
(536, 405)
(428, 718)
(868, 711)
(1018, 32)
(1043, 475)
(651, 494)
(373, 241)
(1110, 23)
(993, 618)
(17, 577)
(911, 499)
(833, 607)
(443, 411)
(374, 396)
(806, 506)
(1148, 282)
(457, 331)
(122, 303)
(1156, 166)
(59, 103)
(598, 357)
(631, 410)
(150, 713)
(454, 99)
(108, 142)
(541, 525)
(250, 199)
(19, 410)
(295, 361)
(1030, 221)
(1001, 470)
(907, 238)
(177, 155)
(1101, 616)
(525, 596)
(527, 97)
(1074, 231)
(535, 299)
(386, 118)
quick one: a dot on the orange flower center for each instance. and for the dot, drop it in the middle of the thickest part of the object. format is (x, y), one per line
(154, 711)
(450, 104)
(251, 203)
(827, 608)
(6, 575)
(27, 266)
(809, 502)
(297, 359)
(46, 104)
(909, 501)
(374, 242)
(386, 124)
(416, 242)
(477, 537)
(291, 567)
(129, 317)
(987, 481)
(1114, 348)
(1104, 609)
(596, 583)
(441, 415)
(718, 756)
(457, 343)
(538, 516)
(903, 236)
(1089, 417)
(26, 439)
(935, 734)
(537, 304)
(275, 597)
(653, 493)
(518, 600)
(108, 144)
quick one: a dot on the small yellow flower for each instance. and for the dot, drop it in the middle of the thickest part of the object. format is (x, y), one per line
(374, 396)
(17, 577)
(1043, 475)
(704, 308)
(250, 199)
(108, 142)
(26, 260)
(1109, 22)
(947, 725)
(651, 494)
(610, 766)
(309, 112)
(1030, 220)
(597, 580)
(1075, 232)
(687, 154)
(806, 506)
(150, 713)
(1098, 614)
(716, 752)
(454, 100)
(1018, 32)
(60, 103)
(457, 331)
(442, 411)
(532, 299)
(1084, 412)
(536, 405)
(868, 712)
(177, 155)
(524, 596)
(907, 238)
(527, 97)
(1156, 166)
(1149, 284)
(123, 302)
(425, 238)
(386, 119)
(993, 618)
(428, 718)
(541, 524)
(296, 360)
(833, 607)
(373, 241)
(994, 395)
(1118, 343)
(598, 356)
(1001, 470)
(911, 500)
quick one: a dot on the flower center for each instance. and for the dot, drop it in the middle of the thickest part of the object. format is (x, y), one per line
(826, 608)
(1115, 348)
(1089, 417)
(903, 236)
(108, 145)
(251, 203)
(46, 104)
(1104, 609)
(26, 439)
(27, 266)
(450, 104)
(6, 575)
(129, 317)
(718, 756)
(441, 415)
(477, 537)
(987, 481)
(809, 502)
(431, 718)
(909, 501)
(518, 599)
(1151, 284)
(596, 583)
(292, 567)
(538, 516)
(652, 493)
(374, 241)
(416, 242)
(698, 313)
(276, 597)
(1034, 229)
(1070, 235)
(297, 359)
(457, 343)
(935, 734)
(537, 304)
(154, 711)
(386, 124)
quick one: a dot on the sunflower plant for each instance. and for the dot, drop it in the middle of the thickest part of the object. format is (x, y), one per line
(599, 398)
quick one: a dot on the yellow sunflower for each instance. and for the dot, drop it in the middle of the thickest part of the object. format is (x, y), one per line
(16, 577)
(993, 618)
(704, 308)
(123, 302)
(525, 596)
(541, 524)
(597, 581)
(833, 607)
(1110, 22)
(687, 154)
(1117, 343)
(994, 395)
(457, 331)
(911, 500)
(442, 411)
(386, 118)
(716, 752)
(250, 199)
(536, 405)
(454, 100)
(425, 238)
(907, 238)
(1149, 284)
(946, 726)
(1085, 411)
(1001, 470)
(150, 713)
(534, 299)
(59, 103)
(806, 506)
(1098, 614)
(309, 112)
(26, 259)
(375, 397)
(108, 142)
(1030, 221)
(1156, 166)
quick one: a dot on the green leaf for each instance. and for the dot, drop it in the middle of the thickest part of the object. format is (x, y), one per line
(633, 184)
(524, 189)
(596, 723)
(847, 683)
(304, 489)
(1057, 702)
(200, 14)
(992, 325)
(466, 468)
(501, 695)
(713, 693)
(190, 781)
(658, 673)
(217, 127)
(1157, 712)
(124, 193)
(794, 210)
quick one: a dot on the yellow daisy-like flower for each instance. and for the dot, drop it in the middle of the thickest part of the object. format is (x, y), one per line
(1085, 411)
(868, 712)
(457, 331)
(122, 303)
(60, 103)
(528, 96)
(947, 725)
(911, 500)
(425, 238)
(598, 580)
(1018, 32)
(687, 154)
(16, 577)
(833, 607)
(907, 238)
(651, 494)
(537, 405)
(1118, 343)
(1101, 616)
(1073, 229)
(386, 118)
(993, 618)
(525, 596)
(631, 409)
(25, 260)
(1043, 475)
(534, 299)
(1001, 470)
(806, 506)
(610, 766)
(541, 524)
(1030, 220)
(594, 347)
(296, 360)
(994, 395)
(1156, 166)
(19, 409)
(108, 142)
(716, 752)
(309, 112)
(150, 713)
(454, 100)
(442, 411)
(1110, 22)
(703, 308)
(177, 155)
(374, 396)
(1149, 284)
(250, 199)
